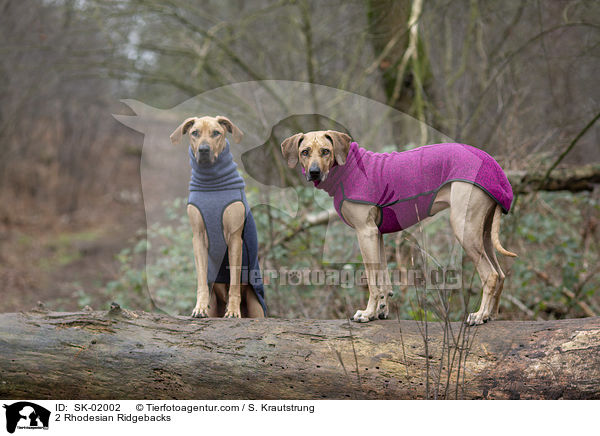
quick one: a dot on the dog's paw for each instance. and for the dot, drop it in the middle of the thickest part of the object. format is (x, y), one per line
(362, 316)
(200, 312)
(383, 310)
(233, 313)
(477, 318)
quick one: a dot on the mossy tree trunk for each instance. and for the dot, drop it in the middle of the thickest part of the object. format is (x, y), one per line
(133, 355)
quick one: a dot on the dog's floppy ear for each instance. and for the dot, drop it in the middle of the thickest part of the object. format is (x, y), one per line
(341, 145)
(289, 149)
(181, 130)
(231, 128)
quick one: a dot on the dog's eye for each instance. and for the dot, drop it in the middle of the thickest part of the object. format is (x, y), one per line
(325, 152)
(304, 153)
(215, 133)
(195, 133)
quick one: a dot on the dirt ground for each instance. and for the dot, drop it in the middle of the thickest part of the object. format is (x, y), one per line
(53, 259)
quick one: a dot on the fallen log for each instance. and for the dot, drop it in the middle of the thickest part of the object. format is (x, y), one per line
(573, 179)
(121, 354)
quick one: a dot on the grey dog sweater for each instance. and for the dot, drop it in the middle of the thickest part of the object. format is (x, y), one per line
(213, 187)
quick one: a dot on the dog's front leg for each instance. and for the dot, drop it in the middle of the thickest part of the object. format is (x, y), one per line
(363, 218)
(200, 243)
(368, 240)
(386, 289)
(233, 227)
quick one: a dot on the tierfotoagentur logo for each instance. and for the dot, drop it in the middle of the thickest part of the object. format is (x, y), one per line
(26, 416)
(434, 278)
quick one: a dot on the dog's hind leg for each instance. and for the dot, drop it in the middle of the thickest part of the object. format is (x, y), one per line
(251, 307)
(218, 299)
(491, 253)
(469, 207)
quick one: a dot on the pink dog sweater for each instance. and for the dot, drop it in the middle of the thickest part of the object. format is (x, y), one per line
(404, 184)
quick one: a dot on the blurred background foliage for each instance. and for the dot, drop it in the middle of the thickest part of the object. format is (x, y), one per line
(516, 78)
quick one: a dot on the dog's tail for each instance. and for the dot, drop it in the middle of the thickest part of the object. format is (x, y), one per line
(496, 231)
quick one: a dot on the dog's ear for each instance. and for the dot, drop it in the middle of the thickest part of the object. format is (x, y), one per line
(181, 130)
(341, 145)
(289, 149)
(231, 128)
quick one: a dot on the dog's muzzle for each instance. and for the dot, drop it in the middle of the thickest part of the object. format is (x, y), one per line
(314, 174)
(203, 153)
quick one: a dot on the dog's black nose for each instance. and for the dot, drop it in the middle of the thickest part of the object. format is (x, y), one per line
(314, 173)
(203, 154)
